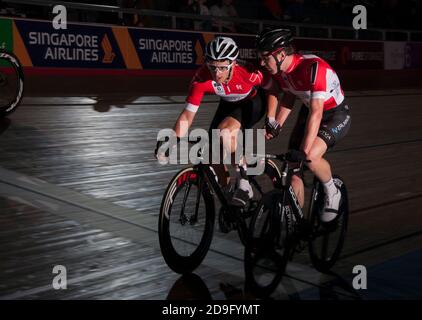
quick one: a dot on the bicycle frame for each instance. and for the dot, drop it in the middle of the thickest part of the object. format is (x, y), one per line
(286, 175)
(211, 178)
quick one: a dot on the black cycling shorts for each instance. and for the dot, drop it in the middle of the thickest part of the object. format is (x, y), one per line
(334, 126)
(248, 112)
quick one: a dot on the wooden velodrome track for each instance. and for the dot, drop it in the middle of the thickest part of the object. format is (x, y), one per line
(79, 187)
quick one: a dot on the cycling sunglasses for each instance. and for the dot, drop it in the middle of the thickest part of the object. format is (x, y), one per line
(215, 68)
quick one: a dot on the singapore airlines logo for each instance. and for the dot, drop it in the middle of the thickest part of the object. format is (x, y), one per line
(108, 50)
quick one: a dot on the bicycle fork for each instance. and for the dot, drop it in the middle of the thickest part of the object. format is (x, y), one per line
(194, 218)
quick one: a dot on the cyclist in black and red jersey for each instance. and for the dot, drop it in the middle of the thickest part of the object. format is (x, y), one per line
(241, 105)
(324, 118)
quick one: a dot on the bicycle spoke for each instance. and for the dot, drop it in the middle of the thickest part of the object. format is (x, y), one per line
(198, 200)
(182, 218)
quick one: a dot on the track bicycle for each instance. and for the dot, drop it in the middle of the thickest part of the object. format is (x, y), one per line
(279, 228)
(187, 213)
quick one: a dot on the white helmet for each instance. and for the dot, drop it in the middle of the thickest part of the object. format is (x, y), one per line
(221, 48)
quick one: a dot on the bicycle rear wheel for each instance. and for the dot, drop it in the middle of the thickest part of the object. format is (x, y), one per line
(186, 221)
(267, 250)
(328, 239)
(11, 83)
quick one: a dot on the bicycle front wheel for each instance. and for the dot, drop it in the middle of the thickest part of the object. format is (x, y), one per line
(328, 239)
(267, 250)
(11, 83)
(186, 221)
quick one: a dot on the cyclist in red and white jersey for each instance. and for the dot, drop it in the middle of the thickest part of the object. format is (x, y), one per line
(242, 103)
(324, 118)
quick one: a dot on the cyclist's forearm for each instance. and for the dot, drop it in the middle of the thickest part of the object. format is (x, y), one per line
(286, 106)
(283, 114)
(183, 123)
(272, 102)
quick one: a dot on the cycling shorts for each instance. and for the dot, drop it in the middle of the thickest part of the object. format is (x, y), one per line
(248, 111)
(334, 126)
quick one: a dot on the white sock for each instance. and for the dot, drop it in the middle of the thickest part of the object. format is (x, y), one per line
(242, 182)
(245, 186)
(330, 188)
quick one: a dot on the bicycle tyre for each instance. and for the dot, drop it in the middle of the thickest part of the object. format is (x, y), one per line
(322, 261)
(178, 262)
(267, 252)
(9, 106)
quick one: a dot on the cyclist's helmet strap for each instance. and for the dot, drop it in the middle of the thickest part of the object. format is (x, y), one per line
(221, 48)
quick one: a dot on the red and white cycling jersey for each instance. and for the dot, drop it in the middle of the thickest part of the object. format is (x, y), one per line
(310, 77)
(241, 86)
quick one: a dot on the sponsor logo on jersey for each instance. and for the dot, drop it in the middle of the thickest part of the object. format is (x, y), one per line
(218, 88)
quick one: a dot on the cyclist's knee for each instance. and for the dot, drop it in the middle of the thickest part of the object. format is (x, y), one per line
(315, 155)
(228, 139)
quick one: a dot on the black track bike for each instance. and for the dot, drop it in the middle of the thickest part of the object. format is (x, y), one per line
(279, 228)
(187, 213)
(11, 83)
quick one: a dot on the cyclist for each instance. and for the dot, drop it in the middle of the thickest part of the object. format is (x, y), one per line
(241, 105)
(324, 118)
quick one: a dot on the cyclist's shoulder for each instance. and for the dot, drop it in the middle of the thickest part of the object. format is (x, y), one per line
(307, 60)
(249, 71)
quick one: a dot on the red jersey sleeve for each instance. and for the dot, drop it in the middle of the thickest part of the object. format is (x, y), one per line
(200, 84)
(253, 75)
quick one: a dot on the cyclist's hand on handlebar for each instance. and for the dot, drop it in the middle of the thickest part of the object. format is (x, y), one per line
(160, 156)
(164, 148)
(272, 128)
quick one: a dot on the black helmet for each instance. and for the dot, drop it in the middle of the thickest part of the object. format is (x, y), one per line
(221, 48)
(272, 39)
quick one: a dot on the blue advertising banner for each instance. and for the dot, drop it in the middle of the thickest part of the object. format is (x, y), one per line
(38, 44)
(79, 46)
(168, 50)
